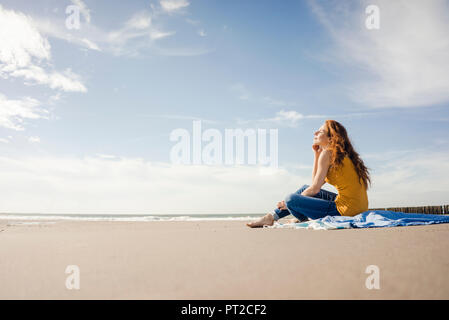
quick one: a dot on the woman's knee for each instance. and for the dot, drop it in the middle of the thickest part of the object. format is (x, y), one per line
(293, 202)
(290, 199)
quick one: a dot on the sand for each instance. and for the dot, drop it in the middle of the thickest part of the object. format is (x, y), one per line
(220, 260)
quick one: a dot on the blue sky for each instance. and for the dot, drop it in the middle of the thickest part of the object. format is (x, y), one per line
(86, 113)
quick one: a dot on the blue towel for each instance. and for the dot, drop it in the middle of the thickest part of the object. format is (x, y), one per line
(368, 219)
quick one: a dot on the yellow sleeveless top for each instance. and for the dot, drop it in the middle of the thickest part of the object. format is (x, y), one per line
(352, 197)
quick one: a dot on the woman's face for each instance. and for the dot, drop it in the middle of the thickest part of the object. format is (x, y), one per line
(320, 136)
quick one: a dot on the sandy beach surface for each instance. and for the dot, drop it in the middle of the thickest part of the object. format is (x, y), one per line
(220, 260)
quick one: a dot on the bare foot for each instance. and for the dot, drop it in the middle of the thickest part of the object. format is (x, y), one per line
(292, 220)
(266, 220)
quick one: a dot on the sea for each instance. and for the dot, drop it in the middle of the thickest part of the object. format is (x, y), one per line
(36, 217)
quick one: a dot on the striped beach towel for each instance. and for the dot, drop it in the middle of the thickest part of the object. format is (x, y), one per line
(367, 219)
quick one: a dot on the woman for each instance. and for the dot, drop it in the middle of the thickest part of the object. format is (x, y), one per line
(337, 163)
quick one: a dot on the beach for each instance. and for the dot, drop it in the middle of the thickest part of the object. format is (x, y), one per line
(219, 260)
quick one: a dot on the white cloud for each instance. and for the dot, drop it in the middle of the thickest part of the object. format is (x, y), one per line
(289, 118)
(132, 185)
(173, 5)
(90, 45)
(129, 31)
(405, 63)
(178, 117)
(137, 35)
(34, 139)
(107, 184)
(85, 37)
(23, 51)
(139, 27)
(410, 178)
(65, 81)
(140, 20)
(106, 156)
(14, 112)
(155, 34)
(18, 48)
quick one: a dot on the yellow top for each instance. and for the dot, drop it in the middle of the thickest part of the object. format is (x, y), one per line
(352, 198)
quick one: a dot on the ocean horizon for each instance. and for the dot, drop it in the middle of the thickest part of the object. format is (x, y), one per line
(126, 217)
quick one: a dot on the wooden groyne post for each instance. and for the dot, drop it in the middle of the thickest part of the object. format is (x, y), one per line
(443, 209)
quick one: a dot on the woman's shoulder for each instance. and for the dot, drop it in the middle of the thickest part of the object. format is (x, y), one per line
(342, 163)
(326, 156)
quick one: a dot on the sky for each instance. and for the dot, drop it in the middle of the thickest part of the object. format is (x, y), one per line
(91, 91)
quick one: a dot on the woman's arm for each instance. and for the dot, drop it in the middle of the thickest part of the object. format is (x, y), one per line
(316, 152)
(322, 164)
(315, 165)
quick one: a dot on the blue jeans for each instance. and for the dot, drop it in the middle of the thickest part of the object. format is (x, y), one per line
(303, 207)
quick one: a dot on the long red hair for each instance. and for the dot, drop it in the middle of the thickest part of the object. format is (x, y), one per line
(341, 146)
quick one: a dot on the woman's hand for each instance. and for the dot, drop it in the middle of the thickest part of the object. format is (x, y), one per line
(317, 149)
(281, 205)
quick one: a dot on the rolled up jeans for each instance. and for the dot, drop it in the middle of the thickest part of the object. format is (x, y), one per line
(304, 207)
